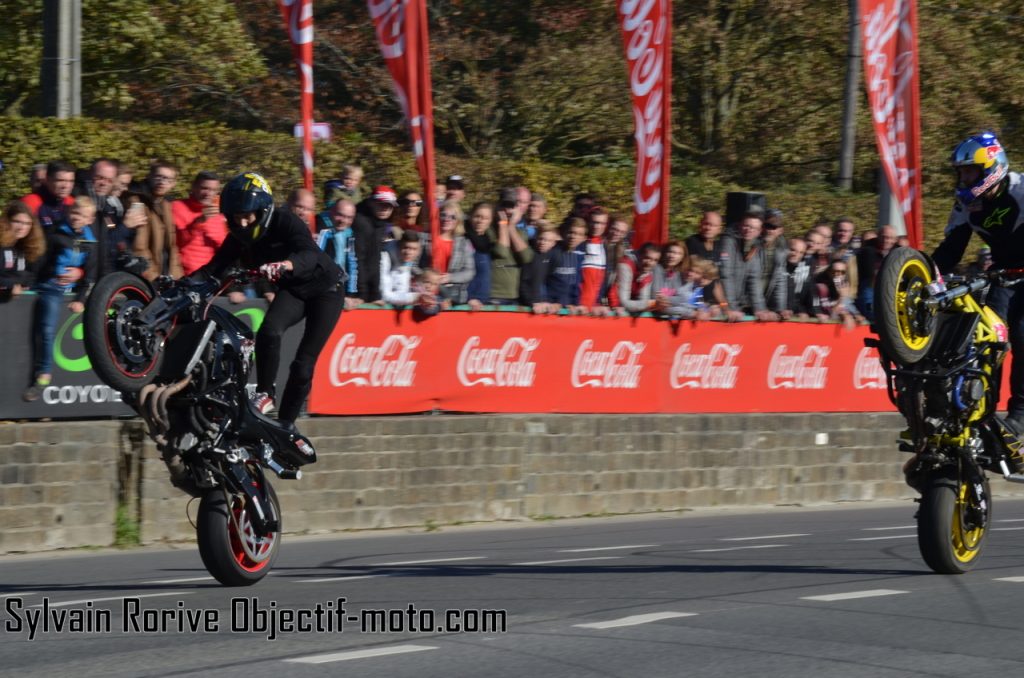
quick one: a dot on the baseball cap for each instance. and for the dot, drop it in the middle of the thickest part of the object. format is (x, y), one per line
(385, 194)
(508, 195)
(454, 181)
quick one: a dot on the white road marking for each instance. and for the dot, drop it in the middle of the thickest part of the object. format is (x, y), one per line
(567, 560)
(1006, 529)
(740, 548)
(635, 620)
(894, 536)
(424, 562)
(178, 581)
(767, 536)
(359, 654)
(898, 527)
(872, 593)
(1010, 520)
(18, 594)
(1013, 580)
(609, 548)
(100, 600)
(346, 578)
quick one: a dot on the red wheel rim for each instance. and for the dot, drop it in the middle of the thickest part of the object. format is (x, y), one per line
(261, 546)
(142, 296)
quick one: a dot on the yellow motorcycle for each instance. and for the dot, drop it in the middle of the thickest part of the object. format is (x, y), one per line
(942, 351)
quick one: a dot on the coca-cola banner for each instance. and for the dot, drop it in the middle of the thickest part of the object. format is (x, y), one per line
(647, 36)
(388, 362)
(402, 33)
(889, 28)
(298, 20)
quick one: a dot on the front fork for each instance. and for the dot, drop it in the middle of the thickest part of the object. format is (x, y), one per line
(247, 480)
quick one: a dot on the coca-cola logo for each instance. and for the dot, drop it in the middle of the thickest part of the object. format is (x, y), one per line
(389, 18)
(891, 69)
(867, 371)
(389, 364)
(617, 368)
(507, 366)
(714, 369)
(300, 20)
(645, 29)
(806, 370)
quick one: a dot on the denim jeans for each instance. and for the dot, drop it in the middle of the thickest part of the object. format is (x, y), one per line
(49, 298)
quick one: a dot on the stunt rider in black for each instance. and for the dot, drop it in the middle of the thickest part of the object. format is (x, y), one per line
(309, 286)
(989, 199)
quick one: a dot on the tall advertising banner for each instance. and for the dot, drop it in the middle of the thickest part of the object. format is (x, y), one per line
(402, 33)
(647, 36)
(891, 70)
(298, 20)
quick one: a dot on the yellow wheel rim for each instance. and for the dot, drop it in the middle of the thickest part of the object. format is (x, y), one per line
(965, 542)
(914, 276)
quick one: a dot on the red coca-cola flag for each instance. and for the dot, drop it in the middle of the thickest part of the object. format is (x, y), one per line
(402, 32)
(647, 36)
(298, 20)
(889, 28)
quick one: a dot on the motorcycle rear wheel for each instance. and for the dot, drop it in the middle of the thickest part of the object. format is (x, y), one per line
(949, 540)
(120, 349)
(231, 549)
(903, 322)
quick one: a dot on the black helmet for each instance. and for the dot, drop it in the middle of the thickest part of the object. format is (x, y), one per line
(248, 192)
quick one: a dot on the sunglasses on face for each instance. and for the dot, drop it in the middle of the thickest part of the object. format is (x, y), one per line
(414, 203)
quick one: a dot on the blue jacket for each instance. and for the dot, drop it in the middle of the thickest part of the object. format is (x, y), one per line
(341, 246)
(564, 275)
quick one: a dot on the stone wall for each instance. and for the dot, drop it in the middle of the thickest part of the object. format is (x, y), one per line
(60, 483)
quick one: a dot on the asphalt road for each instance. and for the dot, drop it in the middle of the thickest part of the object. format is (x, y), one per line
(840, 591)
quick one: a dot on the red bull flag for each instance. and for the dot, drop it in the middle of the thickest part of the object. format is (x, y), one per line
(647, 36)
(891, 70)
(401, 27)
(298, 20)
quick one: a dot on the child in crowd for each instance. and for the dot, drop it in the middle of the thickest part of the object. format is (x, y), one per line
(69, 266)
(349, 186)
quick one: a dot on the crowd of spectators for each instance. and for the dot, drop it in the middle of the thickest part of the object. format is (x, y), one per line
(79, 224)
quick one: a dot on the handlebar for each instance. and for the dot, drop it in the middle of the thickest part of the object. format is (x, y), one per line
(963, 285)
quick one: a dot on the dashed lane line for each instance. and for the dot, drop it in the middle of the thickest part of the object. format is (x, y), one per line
(567, 560)
(1013, 580)
(635, 620)
(359, 654)
(608, 548)
(65, 603)
(767, 536)
(891, 536)
(897, 527)
(179, 581)
(871, 593)
(740, 548)
(352, 577)
(427, 562)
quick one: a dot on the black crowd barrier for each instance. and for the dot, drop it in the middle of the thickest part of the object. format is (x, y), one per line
(76, 392)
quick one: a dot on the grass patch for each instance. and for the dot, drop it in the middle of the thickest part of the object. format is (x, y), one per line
(126, 528)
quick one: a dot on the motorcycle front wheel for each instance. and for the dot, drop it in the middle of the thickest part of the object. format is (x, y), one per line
(952, 524)
(231, 549)
(123, 351)
(903, 322)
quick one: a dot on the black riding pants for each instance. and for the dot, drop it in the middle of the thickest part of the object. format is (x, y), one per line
(321, 313)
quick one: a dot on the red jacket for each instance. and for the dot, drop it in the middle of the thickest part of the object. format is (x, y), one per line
(197, 237)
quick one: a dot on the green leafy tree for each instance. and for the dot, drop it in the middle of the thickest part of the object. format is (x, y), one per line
(153, 58)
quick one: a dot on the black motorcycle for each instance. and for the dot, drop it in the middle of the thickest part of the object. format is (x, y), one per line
(183, 364)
